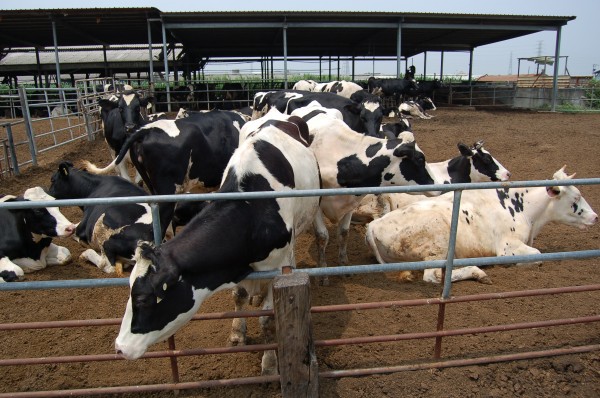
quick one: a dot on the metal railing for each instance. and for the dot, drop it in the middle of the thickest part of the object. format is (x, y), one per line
(441, 302)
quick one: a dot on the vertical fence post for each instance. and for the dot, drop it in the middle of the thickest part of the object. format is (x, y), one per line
(11, 148)
(298, 366)
(27, 121)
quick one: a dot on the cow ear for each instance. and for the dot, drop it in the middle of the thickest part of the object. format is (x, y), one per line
(64, 167)
(478, 145)
(106, 104)
(553, 192)
(353, 108)
(405, 150)
(465, 150)
(146, 101)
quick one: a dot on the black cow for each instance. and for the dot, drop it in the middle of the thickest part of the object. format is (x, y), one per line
(364, 117)
(228, 240)
(175, 156)
(427, 88)
(398, 88)
(110, 230)
(26, 239)
(130, 104)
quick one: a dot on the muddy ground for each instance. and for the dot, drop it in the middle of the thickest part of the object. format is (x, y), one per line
(531, 145)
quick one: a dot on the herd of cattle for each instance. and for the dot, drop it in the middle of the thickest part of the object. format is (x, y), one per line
(313, 136)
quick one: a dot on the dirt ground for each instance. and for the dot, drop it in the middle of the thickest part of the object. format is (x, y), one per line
(531, 145)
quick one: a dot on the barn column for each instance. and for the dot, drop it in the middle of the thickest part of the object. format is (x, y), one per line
(442, 66)
(166, 63)
(285, 51)
(399, 51)
(298, 365)
(555, 75)
(58, 82)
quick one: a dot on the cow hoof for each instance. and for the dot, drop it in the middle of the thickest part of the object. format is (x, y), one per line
(236, 339)
(323, 280)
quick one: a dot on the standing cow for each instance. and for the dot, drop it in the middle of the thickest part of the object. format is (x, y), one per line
(26, 239)
(176, 156)
(491, 222)
(228, 240)
(348, 159)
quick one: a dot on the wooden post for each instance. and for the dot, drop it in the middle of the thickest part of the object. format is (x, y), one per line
(298, 366)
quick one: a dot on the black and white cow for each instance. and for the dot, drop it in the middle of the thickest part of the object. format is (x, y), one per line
(177, 156)
(393, 130)
(492, 222)
(111, 231)
(364, 117)
(418, 107)
(26, 239)
(474, 164)
(228, 240)
(339, 87)
(398, 88)
(305, 85)
(427, 88)
(350, 159)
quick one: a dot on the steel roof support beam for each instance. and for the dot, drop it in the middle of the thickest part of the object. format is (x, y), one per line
(285, 61)
(399, 50)
(555, 77)
(58, 82)
(166, 63)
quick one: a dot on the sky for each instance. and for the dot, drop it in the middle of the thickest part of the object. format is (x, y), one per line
(577, 38)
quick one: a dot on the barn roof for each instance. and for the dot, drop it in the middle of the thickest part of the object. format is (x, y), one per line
(260, 33)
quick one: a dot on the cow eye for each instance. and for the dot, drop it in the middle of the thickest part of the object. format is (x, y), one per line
(145, 300)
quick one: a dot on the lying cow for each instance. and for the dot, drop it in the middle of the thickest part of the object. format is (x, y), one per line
(305, 85)
(111, 231)
(168, 284)
(418, 107)
(348, 159)
(492, 222)
(26, 239)
(339, 87)
(474, 164)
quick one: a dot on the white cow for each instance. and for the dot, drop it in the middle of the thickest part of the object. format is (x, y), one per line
(492, 222)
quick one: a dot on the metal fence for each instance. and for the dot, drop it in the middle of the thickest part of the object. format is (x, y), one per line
(438, 335)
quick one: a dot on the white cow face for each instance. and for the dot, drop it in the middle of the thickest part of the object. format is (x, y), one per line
(48, 221)
(568, 206)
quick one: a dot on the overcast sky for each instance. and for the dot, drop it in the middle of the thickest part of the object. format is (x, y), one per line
(579, 39)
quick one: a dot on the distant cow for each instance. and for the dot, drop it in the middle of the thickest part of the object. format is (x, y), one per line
(111, 231)
(491, 222)
(339, 87)
(427, 88)
(364, 117)
(26, 239)
(228, 240)
(398, 88)
(418, 107)
(305, 85)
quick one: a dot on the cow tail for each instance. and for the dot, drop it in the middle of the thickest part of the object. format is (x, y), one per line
(92, 168)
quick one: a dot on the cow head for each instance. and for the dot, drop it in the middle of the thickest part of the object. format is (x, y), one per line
(45, 221)
(567, 205)
(130, 104)
(484, 166)
(371, 115)
(161, 301)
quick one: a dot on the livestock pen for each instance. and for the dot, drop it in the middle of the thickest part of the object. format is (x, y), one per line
(292, 305)
(532, 145)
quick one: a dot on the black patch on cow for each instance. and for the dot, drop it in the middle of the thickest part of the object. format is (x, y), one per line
(459, 170)
(517, 202)
(485, 164)
(373, 149)
(352, 172)
(502, 196)
(575, 207)
(8, 276)
(388, 176)
(312, 114)
(466, 213)
(276, 162)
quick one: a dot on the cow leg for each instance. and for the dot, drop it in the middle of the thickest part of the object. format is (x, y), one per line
(9, 271)
(518, 248)
(238, 326)
(458, 274)
(98, 260)
(30, 265)
(57, 255)
(269, 365)
(322, 238)
(342, 236)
